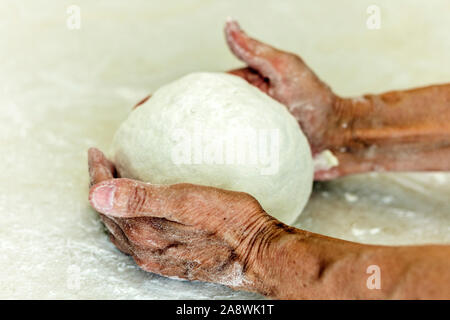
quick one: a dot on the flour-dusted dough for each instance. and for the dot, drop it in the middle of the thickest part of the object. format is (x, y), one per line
(215, 129)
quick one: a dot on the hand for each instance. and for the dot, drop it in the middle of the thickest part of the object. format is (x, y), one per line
(286, 78)
(395, 131)
(183, 230)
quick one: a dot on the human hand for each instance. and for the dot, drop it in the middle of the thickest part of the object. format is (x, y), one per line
(286, 78)
(185, 231)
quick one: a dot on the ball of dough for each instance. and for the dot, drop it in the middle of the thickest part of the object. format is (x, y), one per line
(215, 129)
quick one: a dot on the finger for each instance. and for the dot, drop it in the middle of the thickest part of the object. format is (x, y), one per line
(158, 233)
(256, 54)
(253, 77)
(142, 101)
(126, 198)
(100, 168)
(120, 245)
(117, 236)
(205, 261)
(212, 255)
(183, 203)
(291, 80)
(143, 233)
(163, 265)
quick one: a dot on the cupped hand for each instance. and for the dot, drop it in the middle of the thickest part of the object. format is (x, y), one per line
(286, 78)
(184, 231)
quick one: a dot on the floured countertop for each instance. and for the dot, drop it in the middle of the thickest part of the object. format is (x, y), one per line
(63, 91)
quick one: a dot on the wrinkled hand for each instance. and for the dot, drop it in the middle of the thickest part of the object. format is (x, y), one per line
(183, 230)
(405, 130)
(286, 78)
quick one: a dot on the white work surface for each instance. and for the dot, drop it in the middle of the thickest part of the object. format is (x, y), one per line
(63, 91)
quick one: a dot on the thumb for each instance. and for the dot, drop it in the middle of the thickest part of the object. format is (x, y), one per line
(292, 82)
(254, 53)
(127, 198)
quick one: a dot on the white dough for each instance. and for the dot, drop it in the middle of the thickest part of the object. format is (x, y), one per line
(215, 129)
(325, 161)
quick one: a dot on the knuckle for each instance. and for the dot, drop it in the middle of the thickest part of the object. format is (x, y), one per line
(137, 199)
(185, 195)
(257, 237)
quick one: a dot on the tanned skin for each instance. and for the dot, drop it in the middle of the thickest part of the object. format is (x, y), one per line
(208, 234)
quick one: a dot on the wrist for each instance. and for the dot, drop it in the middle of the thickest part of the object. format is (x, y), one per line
(258, 253)
(389, 132)
(346, 116)
(287, 263)
(349, 118)
(303, 265)
(297, 264)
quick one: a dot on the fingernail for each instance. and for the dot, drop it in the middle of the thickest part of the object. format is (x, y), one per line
(103, 198)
